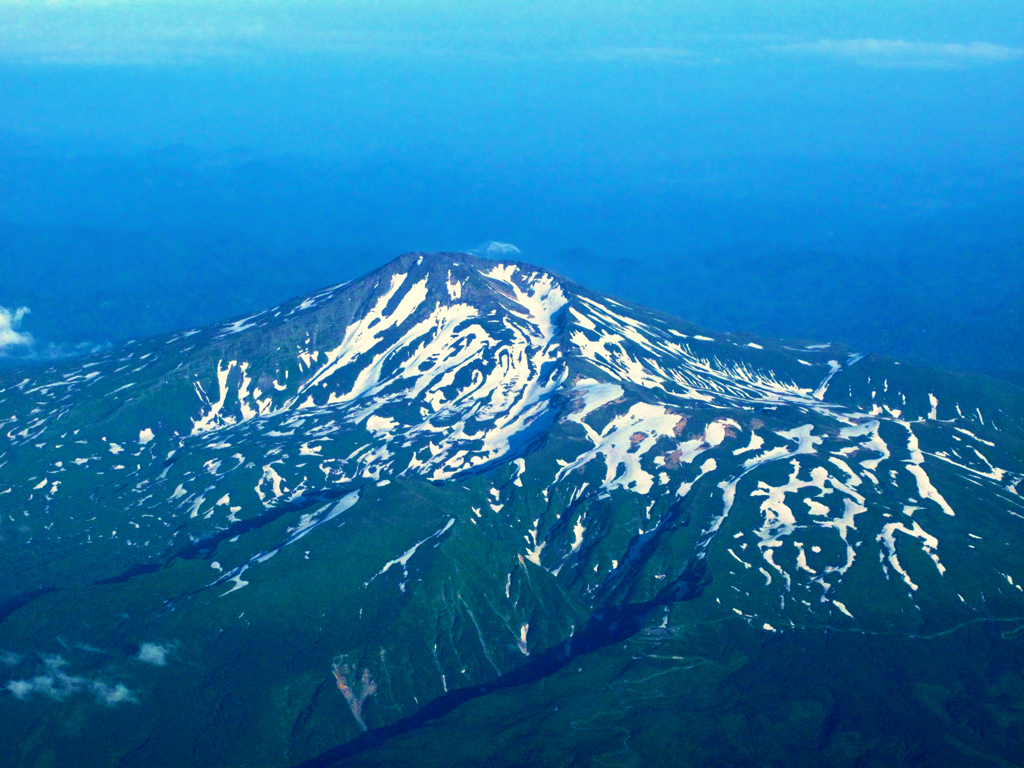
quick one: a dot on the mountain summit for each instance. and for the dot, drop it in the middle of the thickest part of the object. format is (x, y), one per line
(453, 478)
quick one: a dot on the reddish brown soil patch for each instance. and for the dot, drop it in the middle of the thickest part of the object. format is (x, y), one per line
(672, 459)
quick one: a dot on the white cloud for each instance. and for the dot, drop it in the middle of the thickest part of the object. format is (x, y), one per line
(154, 653)
(905, 53)
(20, 344)
(10, 336)
(112, 694)
(494, 248)
(56, 684)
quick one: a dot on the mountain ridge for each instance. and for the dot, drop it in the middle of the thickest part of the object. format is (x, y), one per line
(484, 460)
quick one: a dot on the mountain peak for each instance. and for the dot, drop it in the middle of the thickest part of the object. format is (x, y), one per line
(485, 464)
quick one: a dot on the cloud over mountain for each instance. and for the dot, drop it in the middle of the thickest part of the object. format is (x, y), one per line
(10, 336)
(54, 683)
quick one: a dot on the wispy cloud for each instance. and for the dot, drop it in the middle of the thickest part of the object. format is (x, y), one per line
(154, 653)
(10, 336)
(53, 351)
(144, 32)
(904, 53)
(56, 684)
(125, 32)
(21, 345)
(494, 248)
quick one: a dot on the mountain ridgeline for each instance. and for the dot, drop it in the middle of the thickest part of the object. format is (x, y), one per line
(459, 487)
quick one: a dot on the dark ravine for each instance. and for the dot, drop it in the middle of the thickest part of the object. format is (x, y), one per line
(206, 547)
(20, 601)
(609, 625)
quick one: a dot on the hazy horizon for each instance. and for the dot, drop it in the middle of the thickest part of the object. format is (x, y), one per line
(850, 174)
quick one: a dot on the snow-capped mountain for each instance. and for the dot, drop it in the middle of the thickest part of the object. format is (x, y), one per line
(324, 517)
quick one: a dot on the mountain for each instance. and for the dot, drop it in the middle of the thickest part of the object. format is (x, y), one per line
(463, 511)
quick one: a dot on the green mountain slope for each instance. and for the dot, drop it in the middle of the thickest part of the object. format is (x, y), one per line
(463, 497)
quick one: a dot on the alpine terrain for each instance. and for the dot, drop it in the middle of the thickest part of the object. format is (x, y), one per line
(467, 512)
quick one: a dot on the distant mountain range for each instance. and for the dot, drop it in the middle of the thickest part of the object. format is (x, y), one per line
(469, 511)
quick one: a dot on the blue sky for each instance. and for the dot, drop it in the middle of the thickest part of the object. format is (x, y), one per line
(588, 134)
(908, 33)
(145, 73)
